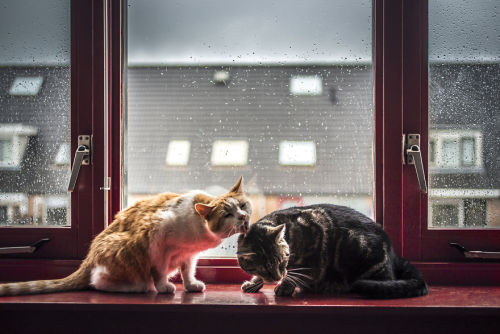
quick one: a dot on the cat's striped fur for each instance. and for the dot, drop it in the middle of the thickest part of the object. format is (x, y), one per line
(325, 248)
(149, 241)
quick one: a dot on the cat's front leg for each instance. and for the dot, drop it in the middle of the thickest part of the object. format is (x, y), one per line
(252, 286)
(187, 271)
(286, 288)
(161, 282)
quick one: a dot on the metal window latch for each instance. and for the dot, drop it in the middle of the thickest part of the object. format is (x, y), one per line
(24, 249)
(475, 254)
(413, 156)
(83, 155)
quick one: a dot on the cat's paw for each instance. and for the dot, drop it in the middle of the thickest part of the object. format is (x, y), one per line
(166, 287)
(284, 289)
(251, 287)
(195, 286)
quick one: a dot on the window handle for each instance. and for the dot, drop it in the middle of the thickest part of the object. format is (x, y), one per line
(413, 156)
(24, 249)
(82, 157)
(475, 254)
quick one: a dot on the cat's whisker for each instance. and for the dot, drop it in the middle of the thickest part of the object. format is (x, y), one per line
(300, 282)
(233, 229)
(298, 269)
(291, 280)
(300, 274)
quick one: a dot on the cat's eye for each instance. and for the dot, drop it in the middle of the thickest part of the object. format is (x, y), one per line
(228, 215)
(243, 206)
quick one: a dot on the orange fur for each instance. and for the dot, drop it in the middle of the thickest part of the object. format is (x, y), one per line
(149, 241)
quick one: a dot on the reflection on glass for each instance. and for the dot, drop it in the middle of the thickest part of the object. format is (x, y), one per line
(34, 113)
(282, 96)
(464, 113)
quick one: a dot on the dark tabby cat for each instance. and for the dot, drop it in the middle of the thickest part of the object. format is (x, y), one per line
(325, 248)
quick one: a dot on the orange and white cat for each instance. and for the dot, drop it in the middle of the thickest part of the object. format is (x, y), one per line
(148, 242)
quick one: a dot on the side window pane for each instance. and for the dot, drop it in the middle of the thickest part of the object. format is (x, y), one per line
(34, 112)
(464, 112)
(279, 92)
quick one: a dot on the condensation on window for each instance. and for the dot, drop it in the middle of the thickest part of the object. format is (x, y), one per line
(35, 113)
(278, 92)
(464, 114)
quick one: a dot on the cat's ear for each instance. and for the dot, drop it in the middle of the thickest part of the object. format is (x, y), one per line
(277, 232)
(238, 186)
(203, 209)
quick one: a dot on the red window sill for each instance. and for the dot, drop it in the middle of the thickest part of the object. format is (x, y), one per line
(223, 308)
(228, 271)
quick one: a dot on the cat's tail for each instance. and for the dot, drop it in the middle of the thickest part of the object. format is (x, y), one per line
(79, 280)
(408, 283)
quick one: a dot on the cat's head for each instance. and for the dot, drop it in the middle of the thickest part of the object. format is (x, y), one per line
(264, 252)
(229, 213)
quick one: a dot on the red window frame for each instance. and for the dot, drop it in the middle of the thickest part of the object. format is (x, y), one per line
(401, 107)
(67, 246)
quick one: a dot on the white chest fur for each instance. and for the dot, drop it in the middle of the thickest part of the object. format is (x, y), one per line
(182, 234)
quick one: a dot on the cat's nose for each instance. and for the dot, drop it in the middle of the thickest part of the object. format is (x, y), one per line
(243, 217)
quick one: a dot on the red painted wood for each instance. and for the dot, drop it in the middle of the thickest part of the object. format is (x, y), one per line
(465, 274)
(15, 270)
(378, 72)
(413, 85)
(225, 309)
(11, 270)
(98, 74)
(419, 242)
(62, 241)
(86, 118)
(227, 271)
(392, 119)
(231, 294)
(116, 66)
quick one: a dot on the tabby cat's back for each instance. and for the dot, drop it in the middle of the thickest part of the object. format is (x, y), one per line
(325, 248)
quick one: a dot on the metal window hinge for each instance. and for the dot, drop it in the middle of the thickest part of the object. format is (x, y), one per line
(83, 156)
(413, 156)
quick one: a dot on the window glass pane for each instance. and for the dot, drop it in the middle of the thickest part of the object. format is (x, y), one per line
(464, 110)
(468, 149)
(279, 92)
(475, 212)
(445, 215)
(34, 112)
(449, 153)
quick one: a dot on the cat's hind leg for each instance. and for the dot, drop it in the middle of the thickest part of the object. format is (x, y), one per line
(187, 271)
(102, 279)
